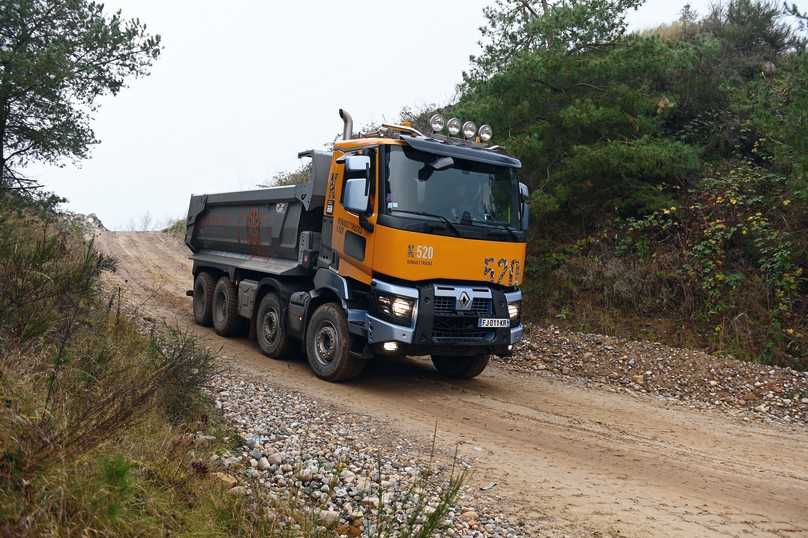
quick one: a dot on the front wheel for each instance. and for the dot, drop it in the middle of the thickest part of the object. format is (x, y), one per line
(328, 345)
(460, 367)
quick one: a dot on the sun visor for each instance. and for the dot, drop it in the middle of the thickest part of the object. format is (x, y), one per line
(479, 155)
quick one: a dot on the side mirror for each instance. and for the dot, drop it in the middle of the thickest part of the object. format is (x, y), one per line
(355, 197)
(524, 205)
(357, 166)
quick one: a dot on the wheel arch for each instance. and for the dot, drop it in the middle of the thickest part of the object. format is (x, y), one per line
(320, 297)
(216, 271)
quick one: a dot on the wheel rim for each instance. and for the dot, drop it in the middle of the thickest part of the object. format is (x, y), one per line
(269, 325)
(325, 343)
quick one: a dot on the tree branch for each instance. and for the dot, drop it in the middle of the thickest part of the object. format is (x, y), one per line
(526, 5)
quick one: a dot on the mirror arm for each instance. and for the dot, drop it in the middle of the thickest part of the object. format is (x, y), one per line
(365, 223)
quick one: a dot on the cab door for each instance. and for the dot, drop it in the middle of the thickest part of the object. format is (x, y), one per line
(353, 228)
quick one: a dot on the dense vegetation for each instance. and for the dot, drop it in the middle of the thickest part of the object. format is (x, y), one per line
(668, 169)
(92, 408)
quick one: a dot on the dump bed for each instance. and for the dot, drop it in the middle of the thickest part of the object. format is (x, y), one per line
(272, 230)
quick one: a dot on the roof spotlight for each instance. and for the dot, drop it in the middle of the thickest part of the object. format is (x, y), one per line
(454, 126)
(437, 123)
(485, 132)
(469, 129)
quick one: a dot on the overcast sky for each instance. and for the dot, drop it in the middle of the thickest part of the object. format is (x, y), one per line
(242, 86)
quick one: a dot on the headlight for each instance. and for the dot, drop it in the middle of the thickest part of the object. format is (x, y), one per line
(515, 311)
(485, 133)
(395, 309)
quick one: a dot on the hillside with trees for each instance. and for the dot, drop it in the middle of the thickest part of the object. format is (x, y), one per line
(668, 168)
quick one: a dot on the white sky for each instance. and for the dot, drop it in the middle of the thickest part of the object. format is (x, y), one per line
(242, 86)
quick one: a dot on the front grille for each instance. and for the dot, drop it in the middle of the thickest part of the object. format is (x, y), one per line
(461, 325)
(446, 306)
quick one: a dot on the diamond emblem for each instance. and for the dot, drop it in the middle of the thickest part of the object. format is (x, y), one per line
(464, 300)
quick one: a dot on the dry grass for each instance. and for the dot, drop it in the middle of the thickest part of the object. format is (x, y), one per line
(91, 406)
(176, 228)
(99, 422)
(667, 32)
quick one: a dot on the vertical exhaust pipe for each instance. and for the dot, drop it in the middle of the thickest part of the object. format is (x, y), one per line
(347, 130)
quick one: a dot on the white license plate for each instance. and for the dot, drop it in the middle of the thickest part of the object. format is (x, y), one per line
(489, 323)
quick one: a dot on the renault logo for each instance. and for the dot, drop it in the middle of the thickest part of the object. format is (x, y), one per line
(464, 302)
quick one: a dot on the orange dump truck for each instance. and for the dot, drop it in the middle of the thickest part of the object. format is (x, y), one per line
(400, 242)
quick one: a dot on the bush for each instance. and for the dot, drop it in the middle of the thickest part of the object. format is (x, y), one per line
(176, 228)
(726, 272)
(79, 378)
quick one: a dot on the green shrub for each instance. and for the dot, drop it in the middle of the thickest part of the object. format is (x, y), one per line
(176, 228)
(729, 269)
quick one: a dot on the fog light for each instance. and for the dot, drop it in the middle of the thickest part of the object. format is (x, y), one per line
(437, 123)
(469, 129)
(454, 126)
(485, 133)
(390, 346)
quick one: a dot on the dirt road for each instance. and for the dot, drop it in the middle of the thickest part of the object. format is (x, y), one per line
(595, 460)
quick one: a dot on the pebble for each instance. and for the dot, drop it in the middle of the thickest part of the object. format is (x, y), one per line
(226, 479)
(469, 516)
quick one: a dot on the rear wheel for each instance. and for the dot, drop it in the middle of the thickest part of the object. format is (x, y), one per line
(270, 329)
(226, 321)
(328, 345)
(460, 367)
(203, 299)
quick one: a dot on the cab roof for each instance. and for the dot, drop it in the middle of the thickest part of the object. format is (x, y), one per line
(443, 146)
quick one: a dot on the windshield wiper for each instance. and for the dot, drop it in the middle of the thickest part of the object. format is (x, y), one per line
(433, 215)
(502, 225)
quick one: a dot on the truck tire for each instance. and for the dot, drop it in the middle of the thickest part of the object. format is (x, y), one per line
(460, 367)
(226, 321)
(203, 299)
(270, 329)
(328, 345)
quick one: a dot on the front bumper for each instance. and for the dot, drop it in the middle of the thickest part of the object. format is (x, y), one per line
(442, 325)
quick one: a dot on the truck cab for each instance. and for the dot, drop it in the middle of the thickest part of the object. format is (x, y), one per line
(400, 243)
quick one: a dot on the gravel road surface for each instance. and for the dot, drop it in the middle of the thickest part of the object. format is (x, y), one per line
(568, 455)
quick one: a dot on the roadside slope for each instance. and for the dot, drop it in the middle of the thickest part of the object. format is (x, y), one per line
(618, 464)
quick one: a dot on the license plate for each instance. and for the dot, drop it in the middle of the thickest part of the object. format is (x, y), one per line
(489, 323)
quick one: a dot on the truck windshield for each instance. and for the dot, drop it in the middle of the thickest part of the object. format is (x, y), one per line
(425, 186)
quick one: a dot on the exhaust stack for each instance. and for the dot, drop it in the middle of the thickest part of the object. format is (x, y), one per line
(347, 131)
